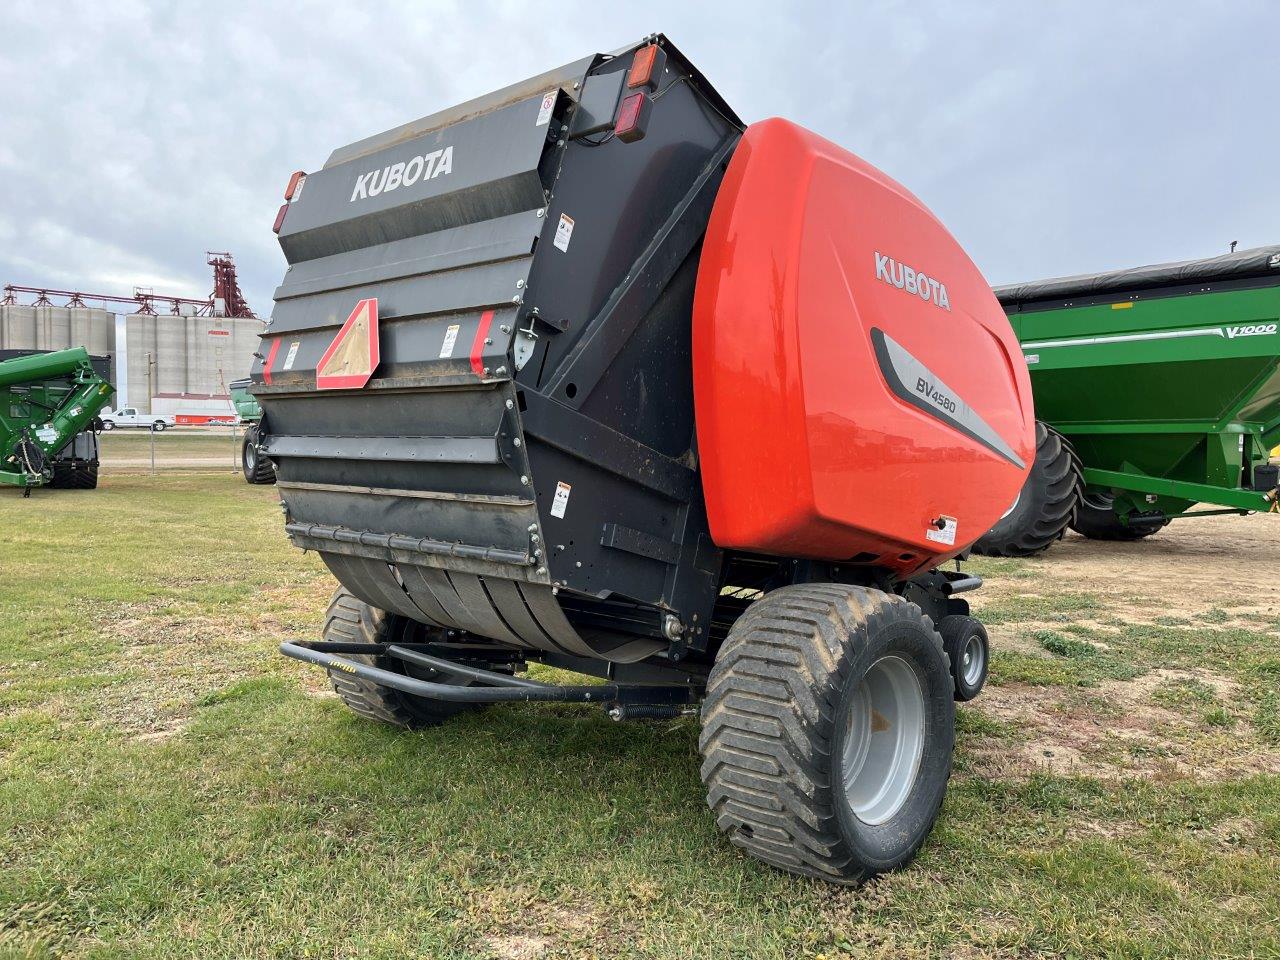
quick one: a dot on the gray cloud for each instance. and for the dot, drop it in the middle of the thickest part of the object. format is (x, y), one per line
(1052, 138)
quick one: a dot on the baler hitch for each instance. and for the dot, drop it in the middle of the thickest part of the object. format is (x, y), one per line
(473, 684)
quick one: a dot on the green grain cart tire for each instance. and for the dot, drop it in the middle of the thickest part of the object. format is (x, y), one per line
(351, 620)
(256, 468)
(1045, 507)
(75, 475)
(1097, 519)
(795, 772)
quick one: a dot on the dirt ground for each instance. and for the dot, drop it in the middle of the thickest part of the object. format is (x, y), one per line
(1200, 590)
(1193, 564)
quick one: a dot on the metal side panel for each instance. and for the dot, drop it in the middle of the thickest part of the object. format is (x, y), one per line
(477, 169)
(491, 285)
(489, 241)
(443, 298)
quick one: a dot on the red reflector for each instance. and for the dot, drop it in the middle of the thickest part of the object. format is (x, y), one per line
(642, 66)
(633, 117)
(295, 184)
(284, 207)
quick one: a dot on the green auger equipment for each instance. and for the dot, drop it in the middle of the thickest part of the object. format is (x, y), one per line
(1157, 390)
(47, 402)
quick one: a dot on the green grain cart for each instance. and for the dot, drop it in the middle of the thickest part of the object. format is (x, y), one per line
(48, 405)
(256, 468)
(1157, 389)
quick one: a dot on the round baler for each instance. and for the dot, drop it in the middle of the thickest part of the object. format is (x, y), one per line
(585, 373)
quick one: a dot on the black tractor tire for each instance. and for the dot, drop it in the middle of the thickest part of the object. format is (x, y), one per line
(1097, 519)
(1045, 507)
(351, 620)
(801, 681)
(256, 468)
(969, 652)
(75, 475)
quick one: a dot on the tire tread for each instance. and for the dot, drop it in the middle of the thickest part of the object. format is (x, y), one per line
(767, 765)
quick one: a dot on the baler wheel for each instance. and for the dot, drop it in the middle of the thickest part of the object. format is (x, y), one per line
(827, 731)
(256, 469)
(969, 650)
(1097, 519)
(351, 620)
(75, 475)
(1045, 507)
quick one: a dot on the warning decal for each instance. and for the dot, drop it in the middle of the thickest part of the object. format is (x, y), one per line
(564, 232)
(561, 502)
(942, 534)
(450, 338)
(292, 355)
(354, 354)
(544, 112)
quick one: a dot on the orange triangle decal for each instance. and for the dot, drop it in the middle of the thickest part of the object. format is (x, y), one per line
(354, 354)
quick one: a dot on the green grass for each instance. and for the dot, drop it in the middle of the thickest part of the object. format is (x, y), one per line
(171, 787)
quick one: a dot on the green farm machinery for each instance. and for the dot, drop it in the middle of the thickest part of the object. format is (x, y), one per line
(48, 404)
(1157, 390)
(256, 468)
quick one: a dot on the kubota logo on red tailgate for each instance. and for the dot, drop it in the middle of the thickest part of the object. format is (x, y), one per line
(911, 280)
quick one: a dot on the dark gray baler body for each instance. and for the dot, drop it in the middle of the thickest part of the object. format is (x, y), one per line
(521, 466)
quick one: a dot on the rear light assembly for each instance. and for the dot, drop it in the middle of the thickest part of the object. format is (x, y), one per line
(633, 117)
(295, 185)
(291, 193)
(646, 67)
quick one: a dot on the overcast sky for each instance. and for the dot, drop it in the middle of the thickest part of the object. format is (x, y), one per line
(1051, 138)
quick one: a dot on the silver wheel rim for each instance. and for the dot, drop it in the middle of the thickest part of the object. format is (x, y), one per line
(884, 738)
(973, 660)
(1098, 501)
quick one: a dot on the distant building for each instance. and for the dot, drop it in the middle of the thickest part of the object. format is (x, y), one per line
(151, 354)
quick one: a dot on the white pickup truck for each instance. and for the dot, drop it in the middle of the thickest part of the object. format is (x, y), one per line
(132, 417)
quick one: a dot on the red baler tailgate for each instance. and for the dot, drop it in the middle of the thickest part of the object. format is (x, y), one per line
(859, 391)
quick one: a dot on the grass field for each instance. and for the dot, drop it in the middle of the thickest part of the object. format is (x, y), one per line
(171, 787)
(176, 448)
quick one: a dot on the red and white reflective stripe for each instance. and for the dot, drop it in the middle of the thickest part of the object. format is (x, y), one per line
(477, 345)
(271, 358)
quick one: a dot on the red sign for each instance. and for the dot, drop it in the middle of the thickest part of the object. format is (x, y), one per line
(219, 333)
(354, 354)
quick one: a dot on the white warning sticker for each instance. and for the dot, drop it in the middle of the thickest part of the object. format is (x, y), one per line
(561, 502)
(450, 338)
(47, 434)
(292, 355)
(942, 534)
(544, 112)
(564, 232)
(1032, 358)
